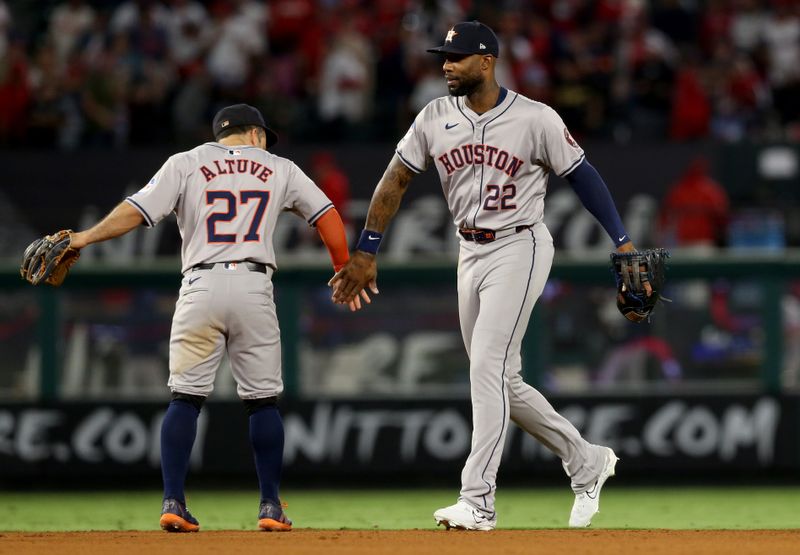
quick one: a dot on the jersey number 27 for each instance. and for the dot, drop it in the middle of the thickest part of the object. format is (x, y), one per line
(229, 213)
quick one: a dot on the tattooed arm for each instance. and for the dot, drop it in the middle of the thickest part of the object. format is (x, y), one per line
(361, 270)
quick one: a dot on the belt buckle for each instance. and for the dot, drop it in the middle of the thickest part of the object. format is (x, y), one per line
(230, 265)
(480, 236)
(483, 236)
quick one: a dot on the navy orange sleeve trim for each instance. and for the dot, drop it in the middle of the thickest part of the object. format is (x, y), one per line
(313, 219)
(331, 230)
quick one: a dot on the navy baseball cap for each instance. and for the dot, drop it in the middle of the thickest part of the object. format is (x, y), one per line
(242, 114)
(469, 37)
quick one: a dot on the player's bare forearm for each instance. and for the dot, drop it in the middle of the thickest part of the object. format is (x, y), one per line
(361, 270)
(119, 221)
(388, 194)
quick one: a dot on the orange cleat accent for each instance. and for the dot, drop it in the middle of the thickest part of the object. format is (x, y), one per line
(271, 525)
(174, 523)
(271, 517)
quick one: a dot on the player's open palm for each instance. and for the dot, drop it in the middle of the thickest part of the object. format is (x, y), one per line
(350, 283)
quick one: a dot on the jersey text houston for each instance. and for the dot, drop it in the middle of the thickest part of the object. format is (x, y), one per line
(467, 155)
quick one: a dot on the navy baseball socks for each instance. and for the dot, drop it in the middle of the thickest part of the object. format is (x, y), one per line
(178, 431)
(266, 438)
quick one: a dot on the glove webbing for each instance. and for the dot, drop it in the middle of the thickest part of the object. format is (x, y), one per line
(630, 269)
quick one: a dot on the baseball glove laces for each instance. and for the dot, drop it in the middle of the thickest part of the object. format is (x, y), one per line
(639, 276)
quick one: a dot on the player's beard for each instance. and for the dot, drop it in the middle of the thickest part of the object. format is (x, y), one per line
(466, 85)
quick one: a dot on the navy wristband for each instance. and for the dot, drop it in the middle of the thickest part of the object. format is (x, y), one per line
(369, 241)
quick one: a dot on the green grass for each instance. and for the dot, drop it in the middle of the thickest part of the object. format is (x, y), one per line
(633, 508)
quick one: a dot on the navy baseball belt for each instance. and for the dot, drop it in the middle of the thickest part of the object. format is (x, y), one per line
(488, 235)
(252, 266)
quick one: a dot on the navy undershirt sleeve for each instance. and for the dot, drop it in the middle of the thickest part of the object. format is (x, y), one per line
(594, 195)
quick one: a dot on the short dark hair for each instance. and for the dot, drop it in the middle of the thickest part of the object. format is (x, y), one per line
(236, 130)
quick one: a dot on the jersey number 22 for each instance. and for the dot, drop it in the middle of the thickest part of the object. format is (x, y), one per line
(500, 199)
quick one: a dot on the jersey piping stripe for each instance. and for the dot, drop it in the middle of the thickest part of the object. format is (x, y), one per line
(574, 165)
(466, 117)
(458, 105)
(505, 359)
(319, 213)
(148, 220)
(483, 139)
(411, 166)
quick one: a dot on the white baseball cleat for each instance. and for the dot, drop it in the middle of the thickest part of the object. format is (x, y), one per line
(587, 503)
(464, 516)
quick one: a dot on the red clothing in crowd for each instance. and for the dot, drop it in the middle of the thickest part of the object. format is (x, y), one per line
(333, 182)
(695, 210)
(691, 108)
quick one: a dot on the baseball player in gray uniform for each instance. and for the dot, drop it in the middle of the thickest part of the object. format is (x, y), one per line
(493, 150)
(227, 196)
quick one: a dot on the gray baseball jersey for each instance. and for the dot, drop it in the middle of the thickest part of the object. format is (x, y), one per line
(227, 201)
(494, 169)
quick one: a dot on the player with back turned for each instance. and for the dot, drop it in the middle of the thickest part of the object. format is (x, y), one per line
(493, 150)
(227, 196)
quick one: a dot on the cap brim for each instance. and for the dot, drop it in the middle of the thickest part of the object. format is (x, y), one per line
(450, 50)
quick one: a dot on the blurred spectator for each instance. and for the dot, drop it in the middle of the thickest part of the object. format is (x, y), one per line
(345, 87)
(46, 116)
(68, 23)
(647, 58)
(691, 107)
(5, 23)
(715, 26)
(695, 210)
(189, 33)
(748, 23)
(572, 95)
(782, 38)
(741, 95)
(288, 19)
(350, 70)
(333, 182)
(192, 103)
(430, 85)
(14, 94)
(104, 95)
(129, 15)
(239, 38)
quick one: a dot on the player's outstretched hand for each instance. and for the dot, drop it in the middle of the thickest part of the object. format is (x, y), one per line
(350, 282)
(355, 304)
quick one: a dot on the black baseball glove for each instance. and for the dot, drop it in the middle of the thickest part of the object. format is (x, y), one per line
(49, 259)
(640, 281)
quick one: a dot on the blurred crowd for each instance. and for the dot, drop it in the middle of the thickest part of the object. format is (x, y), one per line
(82, 73)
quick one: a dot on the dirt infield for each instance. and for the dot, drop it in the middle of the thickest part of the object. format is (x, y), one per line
(415, 542)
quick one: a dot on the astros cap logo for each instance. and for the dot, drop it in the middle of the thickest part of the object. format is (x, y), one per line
(450, 35)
